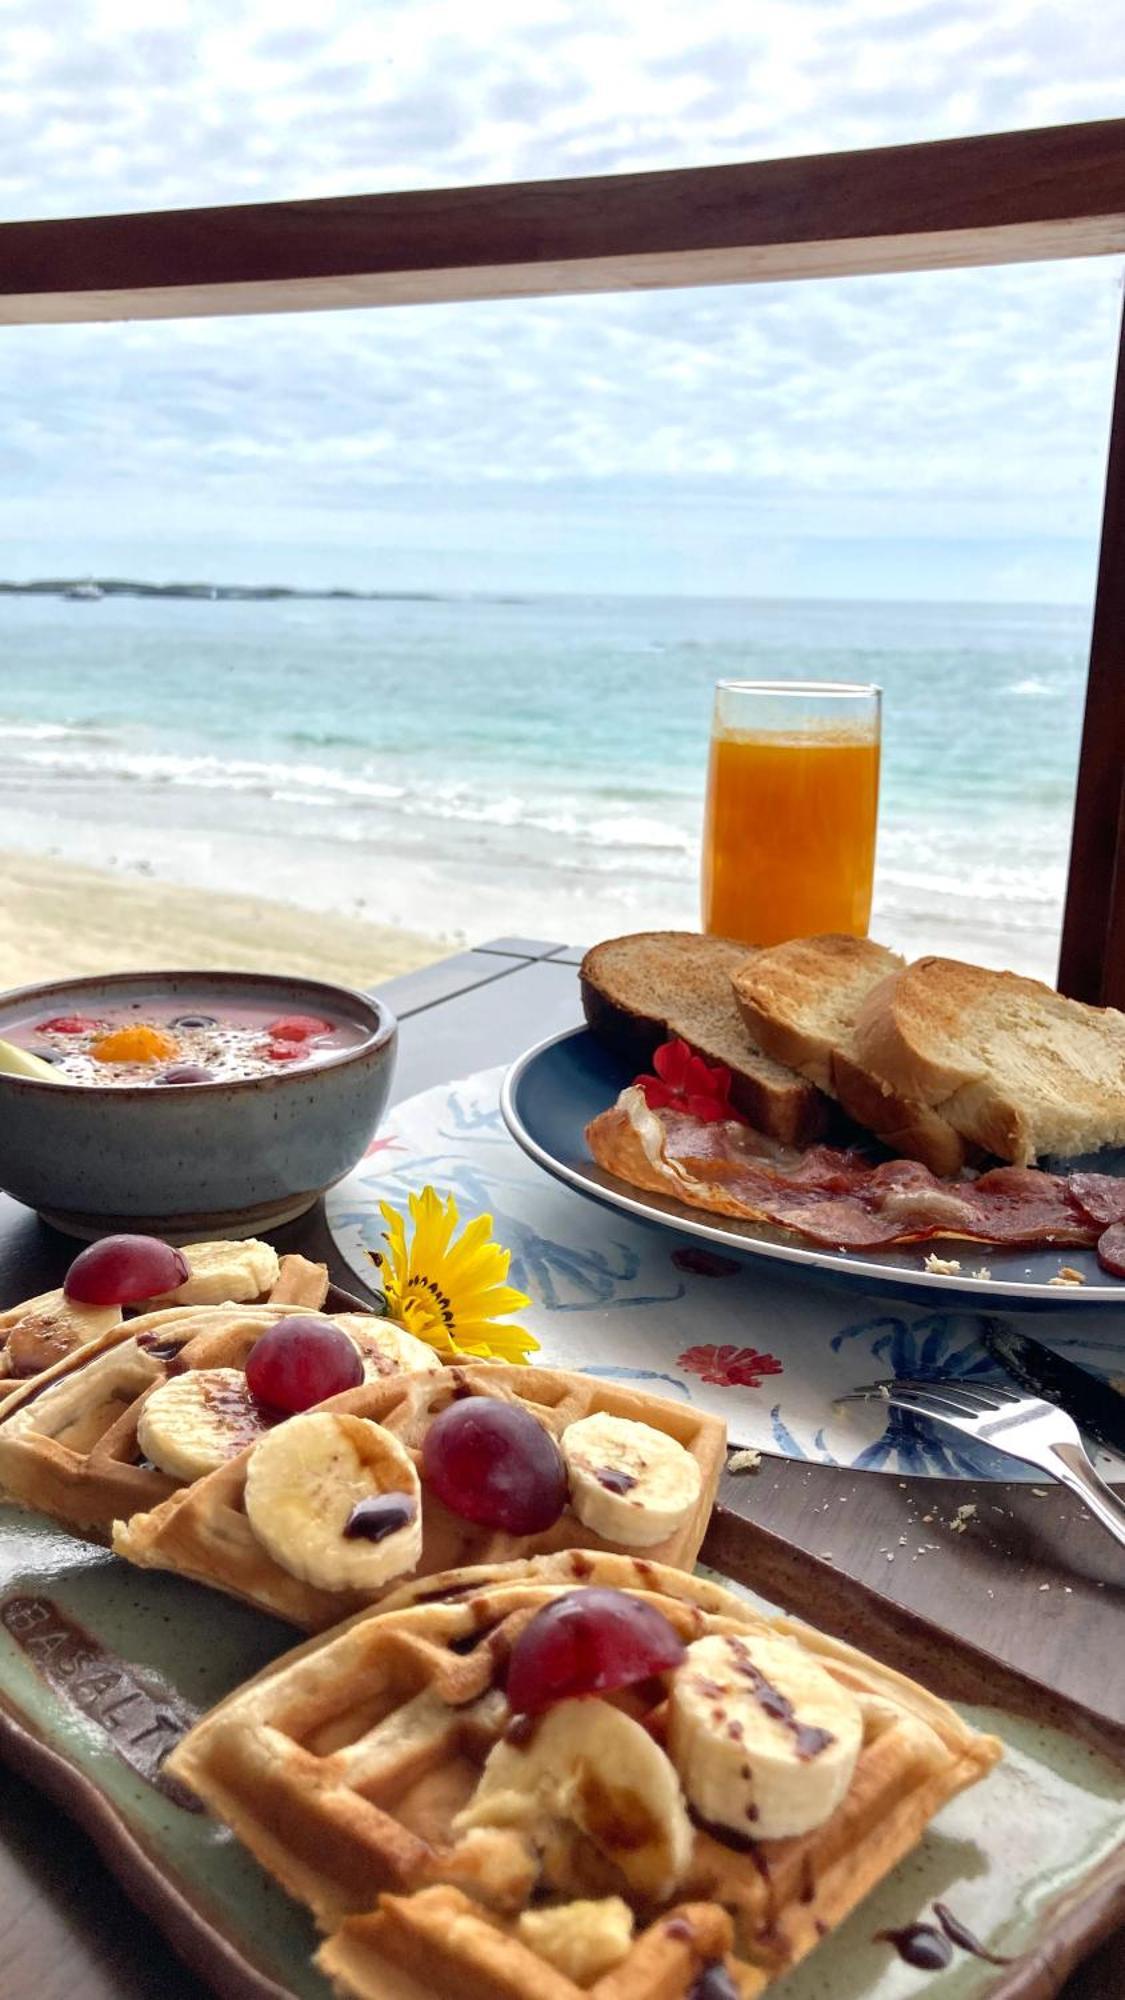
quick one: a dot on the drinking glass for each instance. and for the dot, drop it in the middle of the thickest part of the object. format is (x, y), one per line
(792, 801)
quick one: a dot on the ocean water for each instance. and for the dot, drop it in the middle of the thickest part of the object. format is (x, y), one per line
(468, 767)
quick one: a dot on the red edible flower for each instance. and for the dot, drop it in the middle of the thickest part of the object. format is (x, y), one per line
(731, 1367)
(68, 1024)
(685, 1081)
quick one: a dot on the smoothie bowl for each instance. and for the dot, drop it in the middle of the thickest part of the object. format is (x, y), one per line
(182, 1102)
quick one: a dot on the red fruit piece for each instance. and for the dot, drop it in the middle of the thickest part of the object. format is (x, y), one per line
(492, 1462)
(301, 1361)
(298, 1028)
(589, 1642)
(285, 1052)
(68, 1024)
(121, 1269)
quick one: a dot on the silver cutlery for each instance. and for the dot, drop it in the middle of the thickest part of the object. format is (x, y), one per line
(1025, 1427)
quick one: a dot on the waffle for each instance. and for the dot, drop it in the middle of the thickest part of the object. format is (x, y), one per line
(42, 1331)
(203, 1531)
(68, 1437)
(343, 1765)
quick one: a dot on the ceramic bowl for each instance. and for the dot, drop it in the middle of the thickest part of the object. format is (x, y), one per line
(192, 1160)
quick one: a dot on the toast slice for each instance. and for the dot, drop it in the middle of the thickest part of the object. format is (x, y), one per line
(1012, 1065)
(800, 1001)
(638, 991)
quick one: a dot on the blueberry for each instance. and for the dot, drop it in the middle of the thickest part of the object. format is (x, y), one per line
(194, 1021)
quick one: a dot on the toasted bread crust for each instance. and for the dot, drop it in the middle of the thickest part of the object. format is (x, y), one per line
(799, 998)
(800, 1001)
(638, 991)
(1014, 1066)
(903, 1124)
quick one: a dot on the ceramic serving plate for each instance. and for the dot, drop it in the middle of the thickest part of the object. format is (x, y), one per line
(551, 1093)
(103, 1666)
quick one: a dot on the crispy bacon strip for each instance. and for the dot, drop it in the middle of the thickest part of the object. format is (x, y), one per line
(843, 1198)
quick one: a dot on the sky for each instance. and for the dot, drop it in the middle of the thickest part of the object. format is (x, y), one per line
(935, 435)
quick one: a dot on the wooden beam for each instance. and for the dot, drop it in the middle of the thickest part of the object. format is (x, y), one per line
(1056, 192)
(1092, 960)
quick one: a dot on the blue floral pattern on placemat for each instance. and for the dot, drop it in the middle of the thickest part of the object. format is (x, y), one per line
(769, 1351)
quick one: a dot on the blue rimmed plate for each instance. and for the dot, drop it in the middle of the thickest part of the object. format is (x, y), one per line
(551, 1093)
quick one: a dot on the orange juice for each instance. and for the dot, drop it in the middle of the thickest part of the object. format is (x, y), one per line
(789, 839)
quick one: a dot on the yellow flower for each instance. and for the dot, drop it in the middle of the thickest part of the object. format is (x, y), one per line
(450, 1293)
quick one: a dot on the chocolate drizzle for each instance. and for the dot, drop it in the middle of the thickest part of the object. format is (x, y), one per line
(157, 1348)
(680, 1927)
(924, 1946)
(919, 1945)
(381, 1514)
(959, 1934)
(714, 1983)
(808, 1740)
(728, 1836)
(615, 1481)
(521, 1731)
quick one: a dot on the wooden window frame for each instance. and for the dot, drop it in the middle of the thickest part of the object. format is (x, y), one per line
(1003, 198)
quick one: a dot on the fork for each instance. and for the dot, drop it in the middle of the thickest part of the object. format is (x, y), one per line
(1024, 1427)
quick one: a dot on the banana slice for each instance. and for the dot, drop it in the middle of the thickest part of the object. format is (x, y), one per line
(628, 1482)
(336, 1501)
(194, 1422)
(764, 1739)
(387, 1349)
(44, 1330)
(581, 1940)
(589, 1763)
(222, 1274)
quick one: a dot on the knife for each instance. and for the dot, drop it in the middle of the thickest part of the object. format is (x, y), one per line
(1097, 1406)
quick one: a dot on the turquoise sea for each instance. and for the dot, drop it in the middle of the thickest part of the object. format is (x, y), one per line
(475, 766)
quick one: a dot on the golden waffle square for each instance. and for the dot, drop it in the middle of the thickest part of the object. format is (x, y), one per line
(68, 1436)
(203, 1530)
(344, 1767)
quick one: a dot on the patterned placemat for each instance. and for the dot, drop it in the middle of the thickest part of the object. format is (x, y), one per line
(768, 1351)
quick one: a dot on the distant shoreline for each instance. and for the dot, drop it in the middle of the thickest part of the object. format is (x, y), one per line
(88, 589)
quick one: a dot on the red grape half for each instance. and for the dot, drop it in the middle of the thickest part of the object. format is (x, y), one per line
(301, 1361)
(492, 1462)
(589, 1642)
(121, 1269)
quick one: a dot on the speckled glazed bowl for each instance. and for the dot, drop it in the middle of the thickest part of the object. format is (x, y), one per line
(190, 1160)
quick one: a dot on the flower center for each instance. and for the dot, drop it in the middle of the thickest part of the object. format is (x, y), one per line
(426, 1296)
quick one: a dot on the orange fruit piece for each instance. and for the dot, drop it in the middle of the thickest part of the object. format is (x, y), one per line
(136, 1044)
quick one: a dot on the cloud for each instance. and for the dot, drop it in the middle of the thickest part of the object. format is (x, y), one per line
(968, 403)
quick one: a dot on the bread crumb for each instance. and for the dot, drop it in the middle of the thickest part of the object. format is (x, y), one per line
(1041, 1492)
(963, 1516)
(744, 1461)
(984, 1274)
(1067, 1275)
(1044, 1586)
(942, 1267)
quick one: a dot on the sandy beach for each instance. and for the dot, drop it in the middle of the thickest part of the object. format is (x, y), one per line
(57, 920)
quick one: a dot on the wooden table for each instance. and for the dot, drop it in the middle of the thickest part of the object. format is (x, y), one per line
(66, 1929)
